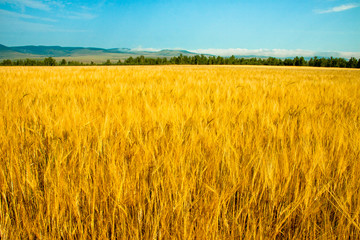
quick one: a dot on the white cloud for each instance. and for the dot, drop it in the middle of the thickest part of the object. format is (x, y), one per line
(24, 16)
(64, 9)
(141, 49)
(81, 15)
(18, 25)
(56, 3)
(280, 53)
(340, 8)
(349, 54)
(28, 3)
(255, 52)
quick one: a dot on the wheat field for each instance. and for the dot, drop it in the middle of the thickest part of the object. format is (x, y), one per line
(179, 152)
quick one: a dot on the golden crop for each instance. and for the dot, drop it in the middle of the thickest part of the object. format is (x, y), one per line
(181, 152)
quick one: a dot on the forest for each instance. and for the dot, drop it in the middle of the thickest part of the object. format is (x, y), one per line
(197, 60)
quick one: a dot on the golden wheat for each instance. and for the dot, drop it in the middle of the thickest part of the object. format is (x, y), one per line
(179, 152)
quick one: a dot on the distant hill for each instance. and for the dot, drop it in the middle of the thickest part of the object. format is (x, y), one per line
(82, 54)
(8, 53)
(100, 55)
(2, 47)
(167, 52)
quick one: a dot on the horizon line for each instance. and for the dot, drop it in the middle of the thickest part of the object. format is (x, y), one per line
(227, 52)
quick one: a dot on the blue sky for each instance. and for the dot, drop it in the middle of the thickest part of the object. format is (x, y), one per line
(221, 27)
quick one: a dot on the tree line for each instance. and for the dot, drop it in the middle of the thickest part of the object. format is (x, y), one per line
(197, 60)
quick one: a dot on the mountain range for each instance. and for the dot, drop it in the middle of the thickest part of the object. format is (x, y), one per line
(100, 55)
(83, 54)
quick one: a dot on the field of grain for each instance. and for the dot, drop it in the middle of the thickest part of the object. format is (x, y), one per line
(179, 152)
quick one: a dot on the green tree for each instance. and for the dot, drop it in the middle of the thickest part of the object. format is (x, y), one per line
(197, 59)
(30, 62)
(232, 60)
(352, 63)
(74, 63)
(129, 61)
(302, 61)
(296, 61)
(7, 62)
(49, 61)
(63, 62)
(141, 60)
(342, 62)
(219, 60)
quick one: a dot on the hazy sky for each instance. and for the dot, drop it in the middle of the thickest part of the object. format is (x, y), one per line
(316, 25)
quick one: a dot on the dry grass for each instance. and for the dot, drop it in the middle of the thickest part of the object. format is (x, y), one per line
(179, 152)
